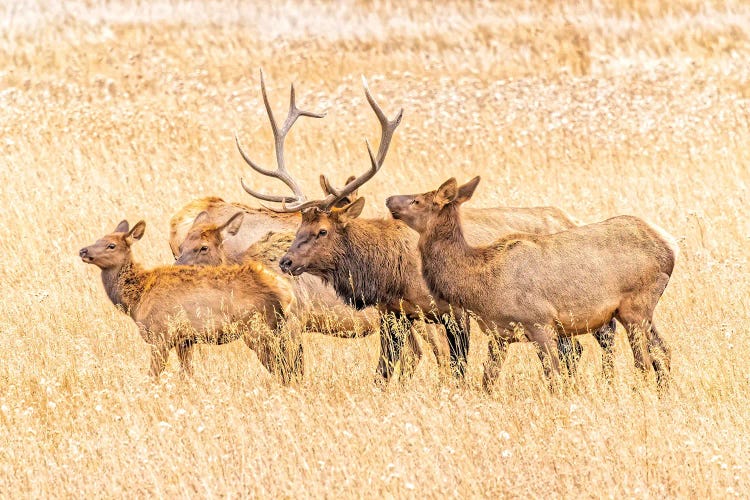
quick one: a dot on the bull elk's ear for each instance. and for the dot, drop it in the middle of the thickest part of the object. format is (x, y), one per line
(351, 211)
(137, 232)
(201, 218)
(467, 190)
(122, 227)
(233, 225)
(447, 192)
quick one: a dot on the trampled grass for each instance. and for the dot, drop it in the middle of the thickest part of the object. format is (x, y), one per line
(115, 110)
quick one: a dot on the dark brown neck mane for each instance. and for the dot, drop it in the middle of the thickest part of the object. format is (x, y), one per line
(372, 263)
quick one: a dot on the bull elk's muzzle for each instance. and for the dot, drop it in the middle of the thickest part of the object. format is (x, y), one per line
(287, 266)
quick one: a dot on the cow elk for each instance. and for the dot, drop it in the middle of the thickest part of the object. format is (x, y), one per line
(178, 306)
(375, 262)
(539, 287)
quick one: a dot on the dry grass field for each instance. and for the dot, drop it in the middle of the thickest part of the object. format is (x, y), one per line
(127, 109)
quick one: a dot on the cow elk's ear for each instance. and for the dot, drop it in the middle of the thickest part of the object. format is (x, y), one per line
(467, 190)
(233, 225)
(137, 232)
(351, 211)
(122, 227)
(447, 192)
(201, 218)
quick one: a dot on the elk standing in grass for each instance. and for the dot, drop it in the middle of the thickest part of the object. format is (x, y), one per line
(376, 261)
(543, 286)
(178, 307)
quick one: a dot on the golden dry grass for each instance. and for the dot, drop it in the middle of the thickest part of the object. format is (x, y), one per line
(127, 109)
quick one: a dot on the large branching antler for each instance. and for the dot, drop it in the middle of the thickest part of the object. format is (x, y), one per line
(299, 202)
(279, 136)
(387, 128)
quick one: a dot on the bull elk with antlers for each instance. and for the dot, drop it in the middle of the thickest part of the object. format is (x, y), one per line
(178, 307)
(541, 287)
(375, 262)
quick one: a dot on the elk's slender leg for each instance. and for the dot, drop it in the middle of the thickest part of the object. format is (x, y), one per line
(185, 355)
(605, 336)
(570, 351)
(546, 348)
(159, 355)
(440, 348)
(636, 338)
(392, 330)
(661, 357)
(457, 329)
(410, 357)
(497, 350)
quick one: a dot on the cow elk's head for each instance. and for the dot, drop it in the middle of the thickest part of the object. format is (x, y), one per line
(203, 245)
(113, 250)
(318, 238)
(418, 210)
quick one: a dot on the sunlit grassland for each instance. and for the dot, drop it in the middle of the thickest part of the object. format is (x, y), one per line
(113, 110)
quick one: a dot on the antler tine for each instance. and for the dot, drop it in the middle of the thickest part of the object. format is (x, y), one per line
(387, 127)
(279, 136)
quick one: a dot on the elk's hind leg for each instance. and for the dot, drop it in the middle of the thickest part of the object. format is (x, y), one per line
(605, 337)
(661, 357)
(545, 339)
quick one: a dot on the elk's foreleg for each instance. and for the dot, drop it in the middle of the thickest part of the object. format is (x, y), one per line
(393, 328)
(457, 329)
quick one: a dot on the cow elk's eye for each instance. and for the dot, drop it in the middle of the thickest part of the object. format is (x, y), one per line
(322, 232)
(111, 246)
(204, 249)
(414, 202)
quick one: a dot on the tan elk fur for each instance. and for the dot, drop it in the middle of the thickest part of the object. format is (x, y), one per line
(178, 306)
(539, 287)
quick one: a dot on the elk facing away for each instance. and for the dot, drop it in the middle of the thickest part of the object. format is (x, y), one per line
(178, 307)
(374, 262)
(540, 287)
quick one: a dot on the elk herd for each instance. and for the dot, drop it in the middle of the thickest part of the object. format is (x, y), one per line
(266, 275)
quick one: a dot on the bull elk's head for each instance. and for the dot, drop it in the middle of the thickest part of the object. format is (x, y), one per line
(113, 250)
(418, 210)
(323, 220)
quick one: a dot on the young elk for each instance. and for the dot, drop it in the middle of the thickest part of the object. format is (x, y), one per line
(374, 262)
(540, 287)
(178, 307)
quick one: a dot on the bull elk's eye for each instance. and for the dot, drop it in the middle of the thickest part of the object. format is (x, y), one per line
(414, 202)
(111, 246)
(204, 249)
(322, 232)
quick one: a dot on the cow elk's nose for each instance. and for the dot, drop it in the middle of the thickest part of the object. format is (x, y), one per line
(83, 252)
(285, 264)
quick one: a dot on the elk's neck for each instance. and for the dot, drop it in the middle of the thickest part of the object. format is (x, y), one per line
(373, 263)
(124, 285)
(446, 256)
